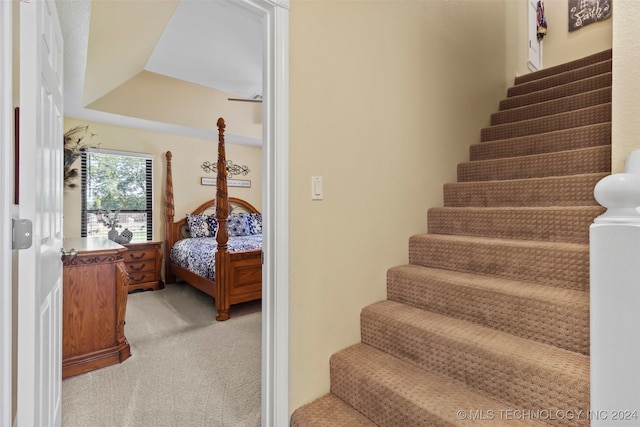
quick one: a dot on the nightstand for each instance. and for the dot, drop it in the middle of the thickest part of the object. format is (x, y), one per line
(144, 263)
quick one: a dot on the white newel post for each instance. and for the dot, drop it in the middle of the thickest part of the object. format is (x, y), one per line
(615, 300)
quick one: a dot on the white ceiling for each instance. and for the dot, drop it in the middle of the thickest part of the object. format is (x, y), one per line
(210, 43)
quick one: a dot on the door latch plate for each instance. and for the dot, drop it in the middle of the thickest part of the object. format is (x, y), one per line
(22, 234)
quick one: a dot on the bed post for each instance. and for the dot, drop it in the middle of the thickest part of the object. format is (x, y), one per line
(222, 237)
(169, 212)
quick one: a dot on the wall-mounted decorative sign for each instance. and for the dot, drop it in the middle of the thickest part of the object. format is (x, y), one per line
(230, 182)
(585, 12)
(231, 168)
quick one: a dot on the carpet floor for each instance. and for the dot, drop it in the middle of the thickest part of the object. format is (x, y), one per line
(185, 370)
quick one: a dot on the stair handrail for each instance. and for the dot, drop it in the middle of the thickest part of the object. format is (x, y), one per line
(615, 299)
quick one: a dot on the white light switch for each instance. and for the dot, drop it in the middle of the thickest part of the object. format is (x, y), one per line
(316, 188)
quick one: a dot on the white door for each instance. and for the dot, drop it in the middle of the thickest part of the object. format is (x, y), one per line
(6, 205)
(535, 46)
(40, 267)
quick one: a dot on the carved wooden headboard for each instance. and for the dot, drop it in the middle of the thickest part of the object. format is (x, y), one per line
(208, 208)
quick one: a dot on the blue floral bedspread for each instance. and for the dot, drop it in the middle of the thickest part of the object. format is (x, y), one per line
(197, 253)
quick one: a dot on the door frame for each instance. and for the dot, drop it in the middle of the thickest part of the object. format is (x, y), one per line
(275, 200)
(6, 202)
(274, 16)
(275, 336)
(532, 29)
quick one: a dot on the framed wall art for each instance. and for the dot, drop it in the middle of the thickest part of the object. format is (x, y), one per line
(585, 12)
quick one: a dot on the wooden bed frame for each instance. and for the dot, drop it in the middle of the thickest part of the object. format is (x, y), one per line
(238, 274)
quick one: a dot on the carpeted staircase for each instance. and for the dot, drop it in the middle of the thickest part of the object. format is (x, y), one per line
(489, 322)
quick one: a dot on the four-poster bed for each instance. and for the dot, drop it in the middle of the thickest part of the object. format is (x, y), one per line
(231, 268)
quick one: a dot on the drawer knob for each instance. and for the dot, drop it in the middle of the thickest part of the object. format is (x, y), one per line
(137, 257)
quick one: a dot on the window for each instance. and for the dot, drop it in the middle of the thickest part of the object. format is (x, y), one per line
(117, 181)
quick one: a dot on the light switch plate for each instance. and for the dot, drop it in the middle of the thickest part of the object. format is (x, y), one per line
(316, 188)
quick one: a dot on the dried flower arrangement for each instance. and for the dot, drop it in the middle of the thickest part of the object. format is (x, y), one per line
(74, 146)
(109, 218)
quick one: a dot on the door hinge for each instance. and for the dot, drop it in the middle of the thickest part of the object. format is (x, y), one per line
(22, 234)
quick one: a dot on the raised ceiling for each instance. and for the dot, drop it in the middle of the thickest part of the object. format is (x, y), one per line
(165, 65)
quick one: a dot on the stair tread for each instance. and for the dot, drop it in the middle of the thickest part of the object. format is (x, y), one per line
(329, 410)
(538, 155)
(557, 163)
(547, 314)
(566, 120)
(554, 106)
(426, 398)
(566, 190)
(522, 208)
(561, 78)
(560, 264)
(495, 363)
(531, 209)
(539, 119)
(555, 224)
(548, 142)
(515, 288)
(527, 354)
(556, 92)
(574, 247)
(576, 63)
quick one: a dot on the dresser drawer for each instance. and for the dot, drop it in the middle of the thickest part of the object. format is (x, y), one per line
(144, 262)
(139, 255)
(144, 277)
(140, 266)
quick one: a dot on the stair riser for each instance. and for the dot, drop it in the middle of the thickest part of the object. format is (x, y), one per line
(568, 139)
(574, 162)
(573, 119)
(571, 103)
(574, 88)
(549, 265)
(558, 323)
(564, 191)
(500, 376)
(560, 79)
(572, 65)
(569, 226)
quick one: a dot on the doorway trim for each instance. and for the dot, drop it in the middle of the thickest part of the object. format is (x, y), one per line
(6, 202)
(534, 62)
(274, 15)
(275, 336)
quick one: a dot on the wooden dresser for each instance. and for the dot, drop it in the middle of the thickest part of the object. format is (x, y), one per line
(144, 264)
(94, 302)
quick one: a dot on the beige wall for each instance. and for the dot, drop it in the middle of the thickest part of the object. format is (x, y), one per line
(386, 97)
(516, 39)
(188, 156)
(561, 46)
(625, 133)
(159, 98)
